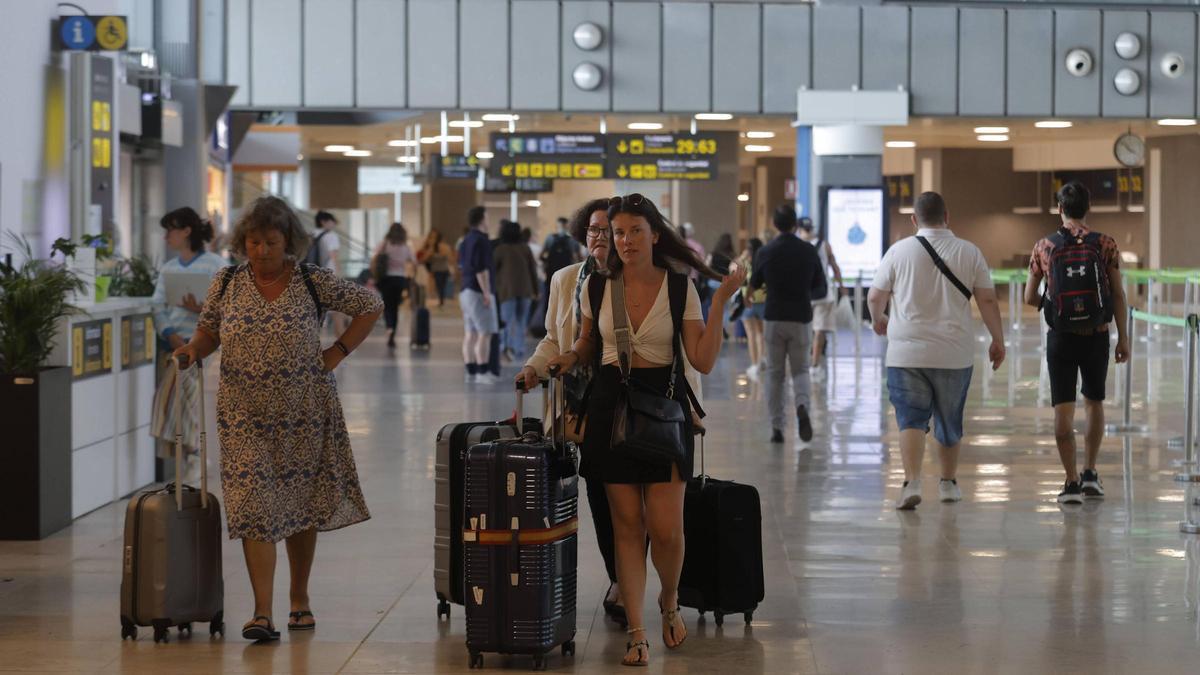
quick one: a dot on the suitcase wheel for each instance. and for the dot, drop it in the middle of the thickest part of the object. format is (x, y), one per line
(476, 660)
(217, 624)
(162, 634)
(128, 630)
(568, 648)
(539, 661)
(443, 610)
(185, 628)
(720, 617)
(748, 616)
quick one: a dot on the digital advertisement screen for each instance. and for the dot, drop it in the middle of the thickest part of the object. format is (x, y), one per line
(855, 223)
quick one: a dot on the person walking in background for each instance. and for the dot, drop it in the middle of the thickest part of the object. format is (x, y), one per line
(287, 469)
(185, 234)
(398, 267)
(1082, 271)
(755, 302)
(537, 309)
(662, 311)
(790, 269)
(824, 308)
(475, 263)
(439, 259)
(687, 232)
(516, 288)
(560, 250)
(722, 255)
(930, 279)
(324, 253)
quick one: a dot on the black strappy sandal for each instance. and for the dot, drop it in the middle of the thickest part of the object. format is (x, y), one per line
(640, 645)
(613, 609)
(259, 633)
(294, 622)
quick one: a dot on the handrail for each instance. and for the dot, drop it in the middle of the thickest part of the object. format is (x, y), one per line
(1173, 321)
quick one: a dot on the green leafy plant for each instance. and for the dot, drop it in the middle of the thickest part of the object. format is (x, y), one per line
(134, 277)
(33, 300)
(101, 242)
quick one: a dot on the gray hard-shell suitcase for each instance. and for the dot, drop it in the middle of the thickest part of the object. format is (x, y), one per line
(521, 544)
(171, 563)
(452, 443)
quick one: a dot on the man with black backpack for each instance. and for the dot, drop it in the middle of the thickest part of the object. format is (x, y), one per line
(1082, 271)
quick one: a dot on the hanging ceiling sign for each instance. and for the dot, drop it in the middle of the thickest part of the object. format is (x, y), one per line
(662, 156)
(455, 166)
(565, 156)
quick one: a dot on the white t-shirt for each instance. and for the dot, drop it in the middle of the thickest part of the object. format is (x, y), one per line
(930, 323)
(652, 340)
(329, 245)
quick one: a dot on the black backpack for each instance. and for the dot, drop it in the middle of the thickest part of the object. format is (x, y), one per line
(306, 272)
(1080, 298)
(559, 252)
(313, 255)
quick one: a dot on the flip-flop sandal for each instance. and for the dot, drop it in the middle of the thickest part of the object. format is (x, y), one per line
(295, 624)
(258, 632)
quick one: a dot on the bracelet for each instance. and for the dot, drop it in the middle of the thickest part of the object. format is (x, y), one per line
(342, 347)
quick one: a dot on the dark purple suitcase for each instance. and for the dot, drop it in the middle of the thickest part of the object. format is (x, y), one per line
(520, 547)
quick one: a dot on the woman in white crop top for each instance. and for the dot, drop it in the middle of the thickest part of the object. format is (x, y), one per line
(645, 497)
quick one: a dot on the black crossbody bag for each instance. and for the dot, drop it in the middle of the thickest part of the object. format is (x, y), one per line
(941, 265)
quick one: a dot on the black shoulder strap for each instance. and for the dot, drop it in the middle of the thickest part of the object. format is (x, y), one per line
(306, 274)
(677, 294)
(596, 284)
(226, 276)
(941, 265)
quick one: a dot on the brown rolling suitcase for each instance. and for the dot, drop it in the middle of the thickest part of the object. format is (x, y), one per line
(171, 562)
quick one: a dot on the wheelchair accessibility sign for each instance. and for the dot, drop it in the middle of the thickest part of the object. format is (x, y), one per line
(91, 33)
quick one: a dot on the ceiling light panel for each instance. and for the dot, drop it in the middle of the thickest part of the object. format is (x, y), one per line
(339, 148)
(993, 138)
(714, 117)
(901, 144)
(757, 148)
(645, 126)
(760, 134)
(1053, 124)
(991, 130)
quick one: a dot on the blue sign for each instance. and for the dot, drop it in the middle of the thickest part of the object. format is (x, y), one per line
(77, 32)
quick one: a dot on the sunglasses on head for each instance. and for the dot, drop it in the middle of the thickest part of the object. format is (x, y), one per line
(632, 200)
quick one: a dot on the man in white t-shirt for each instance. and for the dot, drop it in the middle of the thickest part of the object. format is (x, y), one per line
(325, 254)
(930, 279)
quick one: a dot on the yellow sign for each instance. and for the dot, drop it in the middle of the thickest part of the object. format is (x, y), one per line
(111, 33)
(637, 146)
(581, 170)
(101, 153)
(622, 147)
(77, 351)
(149, 328)
(506, 170)
(126, 336)
(536, 171)
(106, 353)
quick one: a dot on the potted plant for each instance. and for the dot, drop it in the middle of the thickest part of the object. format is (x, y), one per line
(134, 277)
(35, 485)
(107, 266)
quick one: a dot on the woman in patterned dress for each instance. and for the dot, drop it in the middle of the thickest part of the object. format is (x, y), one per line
(287, 470)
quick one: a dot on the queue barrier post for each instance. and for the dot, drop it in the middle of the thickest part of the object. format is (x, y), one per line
(1191, 522)
(1127, 426)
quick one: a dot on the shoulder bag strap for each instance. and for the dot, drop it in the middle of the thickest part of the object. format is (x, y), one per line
(312, 289)
(941, 265)
(226, 277)
(677, 295)
(621, 326)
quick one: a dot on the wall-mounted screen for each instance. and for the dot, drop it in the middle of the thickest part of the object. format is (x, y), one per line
(855, 222)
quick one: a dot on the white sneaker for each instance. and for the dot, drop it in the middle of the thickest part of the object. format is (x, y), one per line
(486, 378)
(910, 496)
(948, 491)
(752, 372)
(469, 378)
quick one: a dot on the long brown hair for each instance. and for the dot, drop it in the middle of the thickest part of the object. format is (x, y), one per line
(671, 252)
(397, 234)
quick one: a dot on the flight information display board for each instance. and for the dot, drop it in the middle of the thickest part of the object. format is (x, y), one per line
(576, 156)
(662, 156)
(502, 184)
(455, 167)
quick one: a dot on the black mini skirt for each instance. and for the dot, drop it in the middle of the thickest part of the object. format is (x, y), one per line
(598, 461)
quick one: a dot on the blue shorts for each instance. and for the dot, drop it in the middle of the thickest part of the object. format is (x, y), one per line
(478, 318)
(920, 393)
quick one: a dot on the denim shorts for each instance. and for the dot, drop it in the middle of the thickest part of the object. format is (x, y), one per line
(921, 393)
(477, 317)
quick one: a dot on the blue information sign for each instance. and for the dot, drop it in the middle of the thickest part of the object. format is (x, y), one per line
(77, 32)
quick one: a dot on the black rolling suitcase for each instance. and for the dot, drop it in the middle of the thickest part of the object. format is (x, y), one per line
(722, 563)
(171, 567)
(453, 440)
(420, 319)
(521, 545)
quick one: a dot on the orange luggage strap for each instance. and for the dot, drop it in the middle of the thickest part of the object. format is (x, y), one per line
(529, 536)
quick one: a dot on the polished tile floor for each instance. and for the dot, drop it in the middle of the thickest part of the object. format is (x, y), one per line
(1005, 582)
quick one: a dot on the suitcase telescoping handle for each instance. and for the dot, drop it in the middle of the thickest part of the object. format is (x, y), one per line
(703, 476)
(182, 365)
(556, 408)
